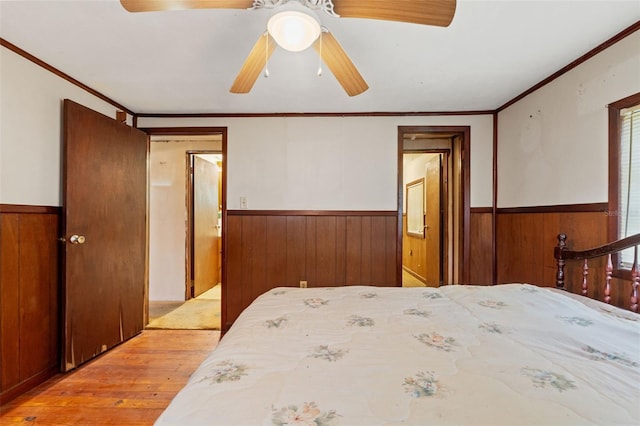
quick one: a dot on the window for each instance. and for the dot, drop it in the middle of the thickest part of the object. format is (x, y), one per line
(624, 175)
(629, 186)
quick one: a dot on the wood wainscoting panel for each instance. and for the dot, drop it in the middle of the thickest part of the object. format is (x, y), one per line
(29, 297)
(353, 250)
(276, 263)
(38, 294)
(233, 287)
(294, 246)
(326, 244)
(526, 240)
(9, 301)
(481, 250)
(378, 252)
(268, 249)
(520, 248)
(254, 238)
(310, 246)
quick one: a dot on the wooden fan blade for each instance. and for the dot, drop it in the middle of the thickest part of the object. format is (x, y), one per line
(254, 63)
(426, 12)
(155, 5)
(340, 65)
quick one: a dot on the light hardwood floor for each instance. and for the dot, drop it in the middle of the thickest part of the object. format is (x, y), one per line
(129, 385)
(200, 313)
(409, 280)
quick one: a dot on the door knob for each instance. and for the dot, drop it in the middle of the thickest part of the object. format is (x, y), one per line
(77, 239)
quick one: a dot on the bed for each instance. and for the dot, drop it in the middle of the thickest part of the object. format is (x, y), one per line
(466, 355)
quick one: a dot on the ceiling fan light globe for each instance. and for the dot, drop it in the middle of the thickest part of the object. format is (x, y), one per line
(293, 31)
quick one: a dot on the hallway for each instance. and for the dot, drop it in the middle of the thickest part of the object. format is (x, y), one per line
(200, 313)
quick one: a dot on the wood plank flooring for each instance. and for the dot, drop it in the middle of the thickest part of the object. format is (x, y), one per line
(129, 385)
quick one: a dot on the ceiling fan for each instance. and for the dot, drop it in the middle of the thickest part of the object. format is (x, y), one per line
(295, 26)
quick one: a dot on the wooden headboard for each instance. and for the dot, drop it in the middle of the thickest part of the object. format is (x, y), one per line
(563, 254)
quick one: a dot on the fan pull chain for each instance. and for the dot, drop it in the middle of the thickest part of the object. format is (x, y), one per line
(320, 57)
(266, 56)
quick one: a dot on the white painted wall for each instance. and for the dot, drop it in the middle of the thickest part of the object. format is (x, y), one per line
(553, 144)
(31, 130)
(168, 216)
(310, 163)
(329, 163)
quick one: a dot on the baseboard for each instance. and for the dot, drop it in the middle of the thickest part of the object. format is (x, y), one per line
(414, 274)
(27, 385)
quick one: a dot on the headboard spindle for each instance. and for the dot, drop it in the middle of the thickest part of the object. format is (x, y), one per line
(607, 282)
(562, 245)
(585, 274)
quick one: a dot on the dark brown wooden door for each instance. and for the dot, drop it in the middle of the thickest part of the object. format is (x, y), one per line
(205, 225)
(433, 223)
(104, 224)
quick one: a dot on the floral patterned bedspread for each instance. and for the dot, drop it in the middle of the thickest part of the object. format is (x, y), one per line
(466, 355)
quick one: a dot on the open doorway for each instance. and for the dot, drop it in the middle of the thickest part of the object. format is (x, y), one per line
(186, 233)
(424, 218)
(433, 167)
(204, 223)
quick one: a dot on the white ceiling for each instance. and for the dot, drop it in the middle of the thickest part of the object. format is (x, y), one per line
(185, 61)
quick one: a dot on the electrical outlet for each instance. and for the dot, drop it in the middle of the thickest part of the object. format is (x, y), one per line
(303, 284)
(243, 203)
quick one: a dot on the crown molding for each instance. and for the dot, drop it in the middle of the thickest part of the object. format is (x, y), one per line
(54, 70)
(593, 52)
(582, 59)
